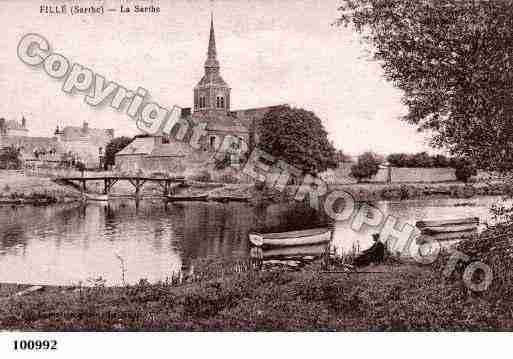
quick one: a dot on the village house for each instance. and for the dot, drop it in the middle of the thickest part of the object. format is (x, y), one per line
(72, 142)
(89, 143)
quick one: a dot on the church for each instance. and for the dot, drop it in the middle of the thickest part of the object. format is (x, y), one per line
(211, 106)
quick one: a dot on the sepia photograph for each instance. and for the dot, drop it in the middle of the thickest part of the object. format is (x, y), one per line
(249, 166)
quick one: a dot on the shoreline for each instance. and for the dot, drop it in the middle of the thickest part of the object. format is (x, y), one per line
(48, 192)
(312, 300)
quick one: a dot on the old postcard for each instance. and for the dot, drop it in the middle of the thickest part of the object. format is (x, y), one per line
(254, 166)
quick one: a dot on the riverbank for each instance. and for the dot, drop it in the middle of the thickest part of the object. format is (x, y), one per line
(389, 298)
(393, 296)
(404, 191)
(17, 188)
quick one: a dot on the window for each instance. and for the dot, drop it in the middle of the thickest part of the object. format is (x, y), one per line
(220, 102)
(202, 102)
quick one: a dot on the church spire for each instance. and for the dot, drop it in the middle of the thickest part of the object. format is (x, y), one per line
(212, 53)
(212, 62)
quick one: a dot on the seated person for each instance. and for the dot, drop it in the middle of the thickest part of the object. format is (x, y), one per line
(374, 254)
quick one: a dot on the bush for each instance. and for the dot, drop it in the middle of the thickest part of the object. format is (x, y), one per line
(366, 167)
(10, 158)
(421, 159)
(464, 170)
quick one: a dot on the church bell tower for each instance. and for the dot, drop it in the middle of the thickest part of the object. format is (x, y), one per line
(212, 93)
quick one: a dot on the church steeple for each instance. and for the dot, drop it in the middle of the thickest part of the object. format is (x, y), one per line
(212, 63)
(212, 92)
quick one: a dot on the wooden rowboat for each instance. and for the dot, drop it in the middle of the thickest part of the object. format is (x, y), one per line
(292, 238)
(450, 222)
(295, 251)
(449, 229)
(96, 197)
(448, 236)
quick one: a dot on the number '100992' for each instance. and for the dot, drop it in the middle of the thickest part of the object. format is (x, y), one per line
(35, 345)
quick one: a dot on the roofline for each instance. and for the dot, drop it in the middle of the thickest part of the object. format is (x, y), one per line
(259, 108)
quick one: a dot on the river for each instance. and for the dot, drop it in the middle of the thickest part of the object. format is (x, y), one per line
(75, 243)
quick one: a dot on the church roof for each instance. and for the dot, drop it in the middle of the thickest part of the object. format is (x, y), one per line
(219, 121)
(247, 116)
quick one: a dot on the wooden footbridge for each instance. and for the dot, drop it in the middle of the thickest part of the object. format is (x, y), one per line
(166, 183)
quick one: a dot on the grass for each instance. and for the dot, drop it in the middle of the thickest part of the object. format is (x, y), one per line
(16, 186)
(405, 297)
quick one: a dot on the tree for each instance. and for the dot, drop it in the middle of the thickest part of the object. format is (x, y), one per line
(423, 160)
(396, 159)
(297, 137)
(453, 60)
(366, 166)
(10, 158)
(113, 147)
(464, 170)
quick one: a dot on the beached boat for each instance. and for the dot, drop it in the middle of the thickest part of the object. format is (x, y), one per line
(292, 238)
(312, 250)
(448, 223)
(449, 228)
(96, 197)
(447, 236)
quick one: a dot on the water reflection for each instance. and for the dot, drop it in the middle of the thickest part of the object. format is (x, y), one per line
(70, 243)
(67, 244)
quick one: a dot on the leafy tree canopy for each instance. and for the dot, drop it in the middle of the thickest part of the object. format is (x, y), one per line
(10, 158)
(421, 159)
(366, 166)
(297, 137)
(453, 61)
(113, 147)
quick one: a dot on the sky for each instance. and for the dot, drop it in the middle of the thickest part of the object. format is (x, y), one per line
(271, 52)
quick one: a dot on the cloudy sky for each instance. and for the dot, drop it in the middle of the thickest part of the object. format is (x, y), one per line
(271, 52)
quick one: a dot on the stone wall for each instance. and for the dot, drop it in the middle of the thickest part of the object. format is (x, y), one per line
(342, 175)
